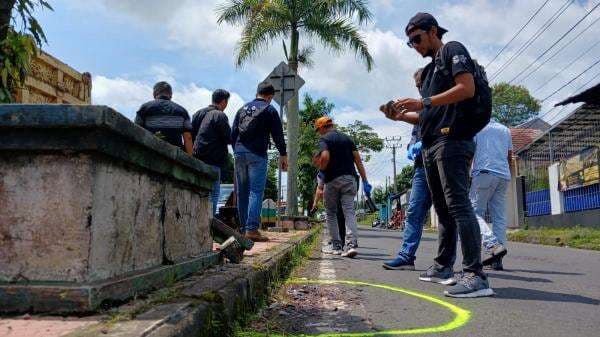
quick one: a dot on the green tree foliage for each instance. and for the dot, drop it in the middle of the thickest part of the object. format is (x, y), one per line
(378, 195)
(272, 171)
(19, 34)
(365, 138)
(404, 179)
(513, 104)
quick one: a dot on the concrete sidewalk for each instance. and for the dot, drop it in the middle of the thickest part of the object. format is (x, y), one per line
(178, 310)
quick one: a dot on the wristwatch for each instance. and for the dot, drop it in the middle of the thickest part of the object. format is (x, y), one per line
(426, 102)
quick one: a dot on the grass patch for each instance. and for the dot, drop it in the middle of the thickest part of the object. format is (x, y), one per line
(576, 237)
(367, 220)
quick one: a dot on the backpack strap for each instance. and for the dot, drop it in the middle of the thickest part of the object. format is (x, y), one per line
(440, 63)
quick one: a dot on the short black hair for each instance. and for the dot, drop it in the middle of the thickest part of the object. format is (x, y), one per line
(265, 89)
(220, 95)
(162, 88)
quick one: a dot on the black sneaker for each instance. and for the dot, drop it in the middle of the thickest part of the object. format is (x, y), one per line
(495, 254)
(443, 276)
(497, 265)
(470, 285)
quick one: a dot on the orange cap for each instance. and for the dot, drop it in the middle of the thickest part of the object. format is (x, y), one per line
(322, 122)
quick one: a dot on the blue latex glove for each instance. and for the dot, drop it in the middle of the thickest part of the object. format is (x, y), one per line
(414, 150)
(367, 188)
(409, 153)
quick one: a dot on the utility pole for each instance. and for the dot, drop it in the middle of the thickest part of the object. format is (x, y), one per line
(393, 143)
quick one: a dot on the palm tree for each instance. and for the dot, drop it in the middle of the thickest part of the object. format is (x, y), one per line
(332, 23)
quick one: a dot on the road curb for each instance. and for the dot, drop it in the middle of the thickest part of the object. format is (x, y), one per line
(211, 304)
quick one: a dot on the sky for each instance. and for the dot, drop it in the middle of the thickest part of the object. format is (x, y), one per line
(128, 45)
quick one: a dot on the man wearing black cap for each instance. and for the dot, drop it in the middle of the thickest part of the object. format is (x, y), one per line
(448, 85)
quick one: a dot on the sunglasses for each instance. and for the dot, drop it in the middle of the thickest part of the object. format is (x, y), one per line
(414, 40)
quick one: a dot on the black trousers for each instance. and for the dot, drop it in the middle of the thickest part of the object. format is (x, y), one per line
(447, 166)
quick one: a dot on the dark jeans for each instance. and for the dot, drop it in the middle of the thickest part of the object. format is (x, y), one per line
(447, 168)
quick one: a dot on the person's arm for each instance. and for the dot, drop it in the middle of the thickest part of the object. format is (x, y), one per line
(462, 90)
(277, 135)
(325, 156)
(139, 116)
(224, 129)
(359, 165)
(277, 132)
(460, 64)
(318, 196)
(187, 142)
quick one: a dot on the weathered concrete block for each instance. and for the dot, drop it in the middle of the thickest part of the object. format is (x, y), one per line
(45, 203)
(87, 197)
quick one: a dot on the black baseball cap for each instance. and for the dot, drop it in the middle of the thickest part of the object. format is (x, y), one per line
(424, 21)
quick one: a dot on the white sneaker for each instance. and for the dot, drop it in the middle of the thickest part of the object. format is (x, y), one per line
(350, 252)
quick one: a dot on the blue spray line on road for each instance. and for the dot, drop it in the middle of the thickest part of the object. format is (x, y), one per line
(461, 316)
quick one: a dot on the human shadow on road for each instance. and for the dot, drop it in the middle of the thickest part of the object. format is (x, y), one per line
(512, 293)
(543, 272)
(513, 277)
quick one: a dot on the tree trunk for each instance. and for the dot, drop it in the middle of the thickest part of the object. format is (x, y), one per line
(6, 7)
(293, 130)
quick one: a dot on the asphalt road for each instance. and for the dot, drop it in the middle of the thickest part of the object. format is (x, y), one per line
(544, 291)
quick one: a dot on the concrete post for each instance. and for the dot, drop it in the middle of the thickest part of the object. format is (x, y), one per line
(557, 203)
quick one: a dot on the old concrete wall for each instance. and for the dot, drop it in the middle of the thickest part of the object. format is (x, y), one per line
(83, 218)
(45, 201)
(94, 201)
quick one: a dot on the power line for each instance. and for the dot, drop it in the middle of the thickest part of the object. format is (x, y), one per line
(573, 93)
(517, 33)
(532, 39)
(566, 67)
(557, 41)
(571, 81)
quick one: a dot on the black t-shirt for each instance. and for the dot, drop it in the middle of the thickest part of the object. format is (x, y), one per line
(166, 119)
(341, 156)
(444, 122)
(212, 134)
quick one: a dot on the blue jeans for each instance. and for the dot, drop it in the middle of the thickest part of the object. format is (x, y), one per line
(488, 193)
(216, 191)
(418, 206)
(251, 176)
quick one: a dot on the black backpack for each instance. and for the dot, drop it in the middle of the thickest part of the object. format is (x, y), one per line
(480, 106)
(248, 121)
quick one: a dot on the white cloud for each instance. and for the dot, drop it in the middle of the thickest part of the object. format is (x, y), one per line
(126, 96)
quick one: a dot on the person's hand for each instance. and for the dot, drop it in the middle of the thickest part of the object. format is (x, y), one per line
(392, 113)
(367, 188)
(408, 104)
(283, 163)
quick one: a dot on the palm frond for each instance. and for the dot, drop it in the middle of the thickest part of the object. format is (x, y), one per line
(345, 8)
(257, 36)
(305, 56)
(339, 33)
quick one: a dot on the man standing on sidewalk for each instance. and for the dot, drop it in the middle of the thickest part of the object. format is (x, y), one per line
(337, 158)
(253, 127)
(166, 119)
(489, 187)
(446, 115)
(212, 135)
